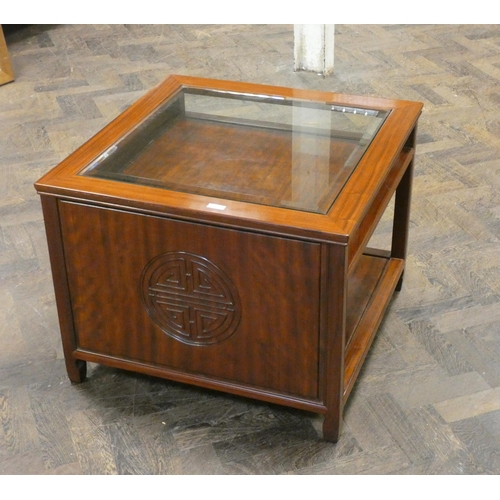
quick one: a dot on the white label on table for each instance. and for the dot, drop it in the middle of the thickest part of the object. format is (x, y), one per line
(216, 206)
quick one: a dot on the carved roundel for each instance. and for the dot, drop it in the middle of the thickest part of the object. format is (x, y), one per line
(190, 298)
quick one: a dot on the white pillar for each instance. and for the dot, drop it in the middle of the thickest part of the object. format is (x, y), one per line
(313, 47)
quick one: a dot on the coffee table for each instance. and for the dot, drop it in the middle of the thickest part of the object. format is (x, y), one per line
(216, 233)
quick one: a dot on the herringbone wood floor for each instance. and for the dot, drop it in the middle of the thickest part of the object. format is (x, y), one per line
(428, 398)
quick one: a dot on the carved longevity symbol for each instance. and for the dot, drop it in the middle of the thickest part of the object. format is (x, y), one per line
(190, 298)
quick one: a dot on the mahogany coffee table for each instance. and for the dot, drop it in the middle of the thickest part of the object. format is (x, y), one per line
(216, 234)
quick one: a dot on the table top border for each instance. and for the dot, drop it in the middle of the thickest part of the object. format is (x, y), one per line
(336, 225)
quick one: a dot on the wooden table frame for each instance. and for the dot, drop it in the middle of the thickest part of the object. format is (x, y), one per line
(338, 240)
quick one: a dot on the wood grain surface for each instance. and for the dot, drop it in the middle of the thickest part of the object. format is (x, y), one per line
(426, 400)
(277, 304)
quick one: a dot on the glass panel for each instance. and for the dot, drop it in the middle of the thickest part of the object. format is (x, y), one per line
(259, 149)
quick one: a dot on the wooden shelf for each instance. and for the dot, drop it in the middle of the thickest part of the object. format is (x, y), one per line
(370, 291)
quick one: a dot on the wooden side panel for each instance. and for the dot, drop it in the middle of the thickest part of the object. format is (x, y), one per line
(266, 333)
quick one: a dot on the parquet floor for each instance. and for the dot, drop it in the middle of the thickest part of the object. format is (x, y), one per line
(428, 398)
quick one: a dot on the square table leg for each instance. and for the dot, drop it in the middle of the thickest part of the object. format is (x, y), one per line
(402, 204)
(77, 369)
(335, 328)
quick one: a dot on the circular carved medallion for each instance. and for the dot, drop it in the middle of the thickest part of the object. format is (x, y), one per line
(190, 298)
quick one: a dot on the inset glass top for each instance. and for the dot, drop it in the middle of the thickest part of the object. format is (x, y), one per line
(261, 149)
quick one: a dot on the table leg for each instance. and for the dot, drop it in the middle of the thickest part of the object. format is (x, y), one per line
(402, 210)
(336, 293)
(77, 369)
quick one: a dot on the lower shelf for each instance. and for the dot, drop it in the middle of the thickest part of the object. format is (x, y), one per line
(370, 290)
